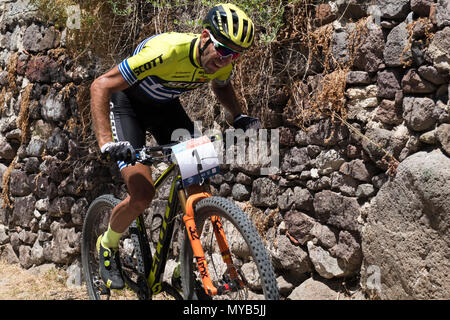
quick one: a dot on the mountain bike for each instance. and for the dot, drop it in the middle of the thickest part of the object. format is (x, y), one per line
(221, 255)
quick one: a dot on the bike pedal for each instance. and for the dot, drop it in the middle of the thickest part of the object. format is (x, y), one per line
(102, 288)
(128, 262)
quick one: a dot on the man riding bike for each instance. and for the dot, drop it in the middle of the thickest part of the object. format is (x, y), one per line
(141, 94)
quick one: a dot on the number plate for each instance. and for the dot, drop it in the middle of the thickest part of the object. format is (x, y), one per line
(197, 160)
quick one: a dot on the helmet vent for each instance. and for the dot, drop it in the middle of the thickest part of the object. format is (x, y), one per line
(244, 30)
(235, 22)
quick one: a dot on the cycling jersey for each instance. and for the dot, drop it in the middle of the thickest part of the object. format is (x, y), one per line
(165, 65)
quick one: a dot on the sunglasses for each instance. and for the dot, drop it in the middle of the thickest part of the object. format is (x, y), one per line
(223, 50)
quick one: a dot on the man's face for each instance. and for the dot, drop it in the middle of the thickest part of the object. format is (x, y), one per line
(212, 60)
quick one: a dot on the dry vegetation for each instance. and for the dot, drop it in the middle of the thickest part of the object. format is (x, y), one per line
(39, 283)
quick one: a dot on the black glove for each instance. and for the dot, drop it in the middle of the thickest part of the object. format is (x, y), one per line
(245, 122)
(119, 151)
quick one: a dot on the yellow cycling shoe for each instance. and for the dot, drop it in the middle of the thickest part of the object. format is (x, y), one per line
(109, 266)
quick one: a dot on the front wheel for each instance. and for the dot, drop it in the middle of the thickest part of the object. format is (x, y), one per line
(249, 256)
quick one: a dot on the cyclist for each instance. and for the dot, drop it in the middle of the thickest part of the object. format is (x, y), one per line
(141, 93)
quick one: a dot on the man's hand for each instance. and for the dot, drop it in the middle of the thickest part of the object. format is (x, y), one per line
(119, 151)
(245, 122)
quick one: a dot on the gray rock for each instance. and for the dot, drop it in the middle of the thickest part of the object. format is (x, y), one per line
(74, 275)
(396, 52)
(439, 51)
(17, 10)
(357, 169)
(336, 210)
(36, 147)
(421, 7)
(358, 78)
(349, 253)
(339, 47)
(286, 200)
(23, 211)
(381, 140)
(324, 235)
(295, 160)
(419, 113)
(388, 82)
(7, 152)
(264, 193)
(18, 184)
(311, 289)
(57, 142)
(365, 190)
(78, 211)
(240, 192)
(4, 237)
(25, 257)
(32, 38)
(343, 183)
(299, 226)
(431, 74)
(388, 113)
(65, 244)
(329, 161)
(405, 239)
(393, 9)
(288, 257)
(61, 205)
(284, 286)
(326, 133)
(37, 254)
(243, 179)
(325, 265)
(369, 55)
(443, 13)
(443, 136)
(224, 190)
(303, 199)
(413, 83)
(54, 108)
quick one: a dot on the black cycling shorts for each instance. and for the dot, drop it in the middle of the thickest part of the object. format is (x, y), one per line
(132, 116)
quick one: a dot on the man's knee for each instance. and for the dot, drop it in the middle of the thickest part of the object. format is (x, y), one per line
(142, 196)
(140, 186)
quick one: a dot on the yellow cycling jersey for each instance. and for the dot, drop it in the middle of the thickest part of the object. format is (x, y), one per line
(165, 65)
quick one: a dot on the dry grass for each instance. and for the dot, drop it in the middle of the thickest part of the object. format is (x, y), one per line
(39, 283)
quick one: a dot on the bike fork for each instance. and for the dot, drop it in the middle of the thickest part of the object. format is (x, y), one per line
(199, 253)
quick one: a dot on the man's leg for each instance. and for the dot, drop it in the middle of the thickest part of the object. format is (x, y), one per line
(141, 191)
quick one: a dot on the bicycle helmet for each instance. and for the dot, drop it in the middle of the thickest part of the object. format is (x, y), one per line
(229, 24)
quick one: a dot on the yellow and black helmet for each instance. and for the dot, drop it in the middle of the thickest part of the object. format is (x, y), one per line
(228, 24)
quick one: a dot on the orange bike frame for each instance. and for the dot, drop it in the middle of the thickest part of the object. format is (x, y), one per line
(196, 245)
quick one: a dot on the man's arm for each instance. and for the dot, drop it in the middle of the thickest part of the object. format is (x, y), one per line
(227, 98)
(101, 90)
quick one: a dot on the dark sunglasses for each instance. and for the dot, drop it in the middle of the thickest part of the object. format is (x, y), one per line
(223, 50)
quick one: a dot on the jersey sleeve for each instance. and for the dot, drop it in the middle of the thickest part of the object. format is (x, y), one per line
(153, 58)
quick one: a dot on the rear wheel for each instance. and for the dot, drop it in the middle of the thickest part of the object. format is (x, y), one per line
(250, 259)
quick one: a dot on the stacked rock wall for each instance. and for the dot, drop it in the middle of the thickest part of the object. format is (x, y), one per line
(319, 214)
(48, 174)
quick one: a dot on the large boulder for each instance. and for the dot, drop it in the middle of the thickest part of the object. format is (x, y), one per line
(406, 238)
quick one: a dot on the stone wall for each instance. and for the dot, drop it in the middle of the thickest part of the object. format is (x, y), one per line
(46, 163)
(322, 214)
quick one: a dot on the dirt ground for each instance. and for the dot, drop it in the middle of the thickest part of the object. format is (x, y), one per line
(38, 283)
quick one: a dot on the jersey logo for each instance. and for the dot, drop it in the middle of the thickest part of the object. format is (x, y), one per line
(147, 66)
(183, 85)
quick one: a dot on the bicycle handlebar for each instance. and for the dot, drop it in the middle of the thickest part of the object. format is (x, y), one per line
(144, 155)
